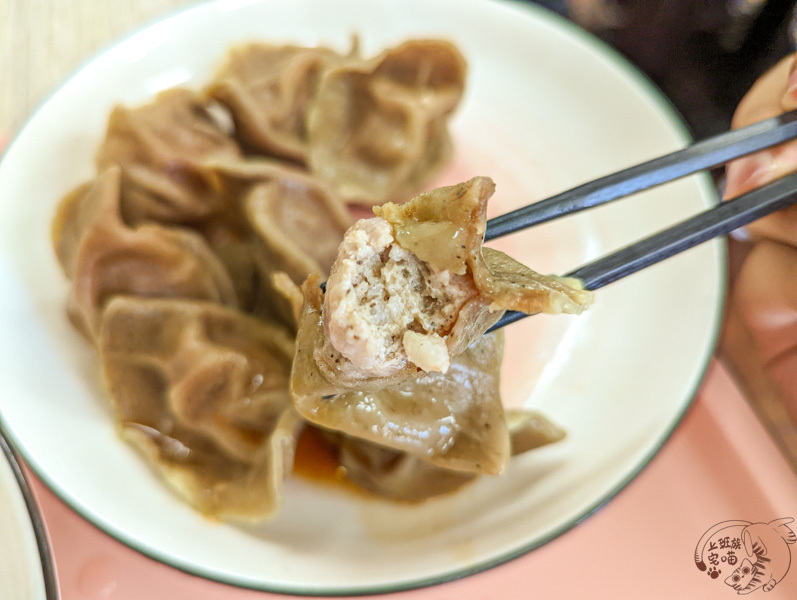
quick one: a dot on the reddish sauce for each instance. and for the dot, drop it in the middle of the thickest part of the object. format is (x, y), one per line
(316, 459)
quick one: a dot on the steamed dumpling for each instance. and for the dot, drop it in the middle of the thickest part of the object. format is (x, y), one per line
(202, 391)
(103, 256)
(267, 90)
(292, 225)
(413, 287)
(296, 222)
(160, 147)
(377, 129)
(454, 420)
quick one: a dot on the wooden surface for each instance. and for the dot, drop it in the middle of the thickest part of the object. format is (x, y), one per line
(43, 41)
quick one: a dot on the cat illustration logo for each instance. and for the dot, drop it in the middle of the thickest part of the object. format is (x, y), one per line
(748, 555)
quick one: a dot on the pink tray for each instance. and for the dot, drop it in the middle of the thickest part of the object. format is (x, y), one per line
(719, 465)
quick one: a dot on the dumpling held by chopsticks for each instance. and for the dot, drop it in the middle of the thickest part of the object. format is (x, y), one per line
(413, 287)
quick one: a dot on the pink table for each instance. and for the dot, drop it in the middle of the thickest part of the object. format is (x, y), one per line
(719, 465)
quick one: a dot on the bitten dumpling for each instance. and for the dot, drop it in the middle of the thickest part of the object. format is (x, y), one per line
(202, 391)
(161, 147)
(377, 129)
(453, 420)
(413, 287)
(103, 256)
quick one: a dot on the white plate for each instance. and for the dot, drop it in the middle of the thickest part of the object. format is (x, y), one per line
(26, 568)
(546, 107)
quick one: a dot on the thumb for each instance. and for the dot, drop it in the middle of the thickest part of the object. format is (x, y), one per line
(773, 93)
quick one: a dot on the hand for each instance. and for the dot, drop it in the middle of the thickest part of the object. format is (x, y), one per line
(774, 93)
(760, 336)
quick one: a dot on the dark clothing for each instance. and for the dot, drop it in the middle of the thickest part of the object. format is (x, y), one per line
(703, 54)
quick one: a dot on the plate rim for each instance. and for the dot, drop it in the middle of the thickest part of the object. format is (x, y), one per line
(679, 127)
(37, 524)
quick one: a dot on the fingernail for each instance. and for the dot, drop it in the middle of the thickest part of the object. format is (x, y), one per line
(749, 172)
(741, 234)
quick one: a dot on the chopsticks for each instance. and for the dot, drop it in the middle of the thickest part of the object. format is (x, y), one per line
(706, 154)
(707, 225)
(720, 220)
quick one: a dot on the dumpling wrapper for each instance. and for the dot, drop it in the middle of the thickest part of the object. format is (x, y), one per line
(297, 221)
(161, 147)
(418, 270)
(377, 129)
(202, 391)
(401, 476)
(437, 224)
(454, 420)
(104, 257)
(267, 89)
(291, 224)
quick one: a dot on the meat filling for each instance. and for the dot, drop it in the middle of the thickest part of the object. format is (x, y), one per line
(384, 306)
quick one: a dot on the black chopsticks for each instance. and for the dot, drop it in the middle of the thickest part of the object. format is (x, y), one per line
(717, 221)
(706, 154)
(707, 225)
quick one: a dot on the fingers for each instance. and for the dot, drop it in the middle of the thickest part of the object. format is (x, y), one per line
(765, 289)
(765, 297)
(780, 226)
(750, 172)
(767, 96)
(764, 100)
(772, 94)
(761, 332)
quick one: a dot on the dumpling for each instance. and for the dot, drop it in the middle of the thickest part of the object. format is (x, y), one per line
(231, 241)
(377, 129)
(413, 287)
(296, 221)
(161, 147)
(104, 257)
(395, 474)
(202, 391)
(291, 224)
(401, 476)
(267, 90)
(453, 420)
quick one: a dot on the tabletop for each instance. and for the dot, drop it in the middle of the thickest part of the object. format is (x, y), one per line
(42, 41)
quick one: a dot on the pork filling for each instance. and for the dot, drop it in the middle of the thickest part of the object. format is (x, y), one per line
(384, 306)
